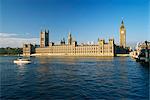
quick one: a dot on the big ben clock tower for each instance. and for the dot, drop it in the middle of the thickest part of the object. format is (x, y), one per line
(122, 35)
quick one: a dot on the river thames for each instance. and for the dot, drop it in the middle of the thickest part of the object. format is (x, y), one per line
(74, 78)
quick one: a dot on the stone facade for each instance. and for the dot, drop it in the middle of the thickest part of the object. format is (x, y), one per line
(70, 49)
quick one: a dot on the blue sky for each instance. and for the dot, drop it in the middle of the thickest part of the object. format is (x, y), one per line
(86, 19)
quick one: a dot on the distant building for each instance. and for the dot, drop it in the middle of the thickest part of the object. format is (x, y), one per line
(142, 51)
(44, 39)
(28, 49)
(70, 49)
(121, 50)
(101, 48)
(122, 35)
(142, 45)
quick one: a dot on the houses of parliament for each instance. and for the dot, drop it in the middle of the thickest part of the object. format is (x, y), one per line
(71, 48)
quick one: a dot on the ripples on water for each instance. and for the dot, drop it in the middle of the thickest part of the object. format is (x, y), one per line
(74, 78)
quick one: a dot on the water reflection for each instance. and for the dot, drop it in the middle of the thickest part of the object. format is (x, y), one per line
(75, 77)
(43, 69)
(21, 67)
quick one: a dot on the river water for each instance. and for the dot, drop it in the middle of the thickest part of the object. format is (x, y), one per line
(73, 78)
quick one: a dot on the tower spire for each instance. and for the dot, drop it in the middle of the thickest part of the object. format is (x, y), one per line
(122, 21)
(69, 33)
(69, 38)
(41, 29)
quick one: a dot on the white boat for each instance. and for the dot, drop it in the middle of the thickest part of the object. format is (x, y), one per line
(22, 61)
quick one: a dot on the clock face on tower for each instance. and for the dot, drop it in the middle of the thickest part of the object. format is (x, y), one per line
(122, 32)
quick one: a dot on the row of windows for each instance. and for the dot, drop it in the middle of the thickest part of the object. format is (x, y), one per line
(60, 52)
(85, 50)
(107, 51)
(57, 50)
(72, 50)
(60, 49)
(75, 52)
(80, 48)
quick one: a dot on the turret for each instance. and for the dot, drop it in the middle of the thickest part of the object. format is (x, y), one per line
(69, 39)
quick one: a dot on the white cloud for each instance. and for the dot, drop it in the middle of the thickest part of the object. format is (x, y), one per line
(27, 33)
(17, 42)
(13, 40)
(7, 34)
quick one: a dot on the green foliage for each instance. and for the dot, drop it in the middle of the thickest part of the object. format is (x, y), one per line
(10, 51)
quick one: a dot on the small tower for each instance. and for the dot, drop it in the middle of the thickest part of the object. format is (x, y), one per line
(101, 43)
(62, 42)
(44, 38)
(28, 49)
(69, 39)
(122, 35)
(111, 47)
